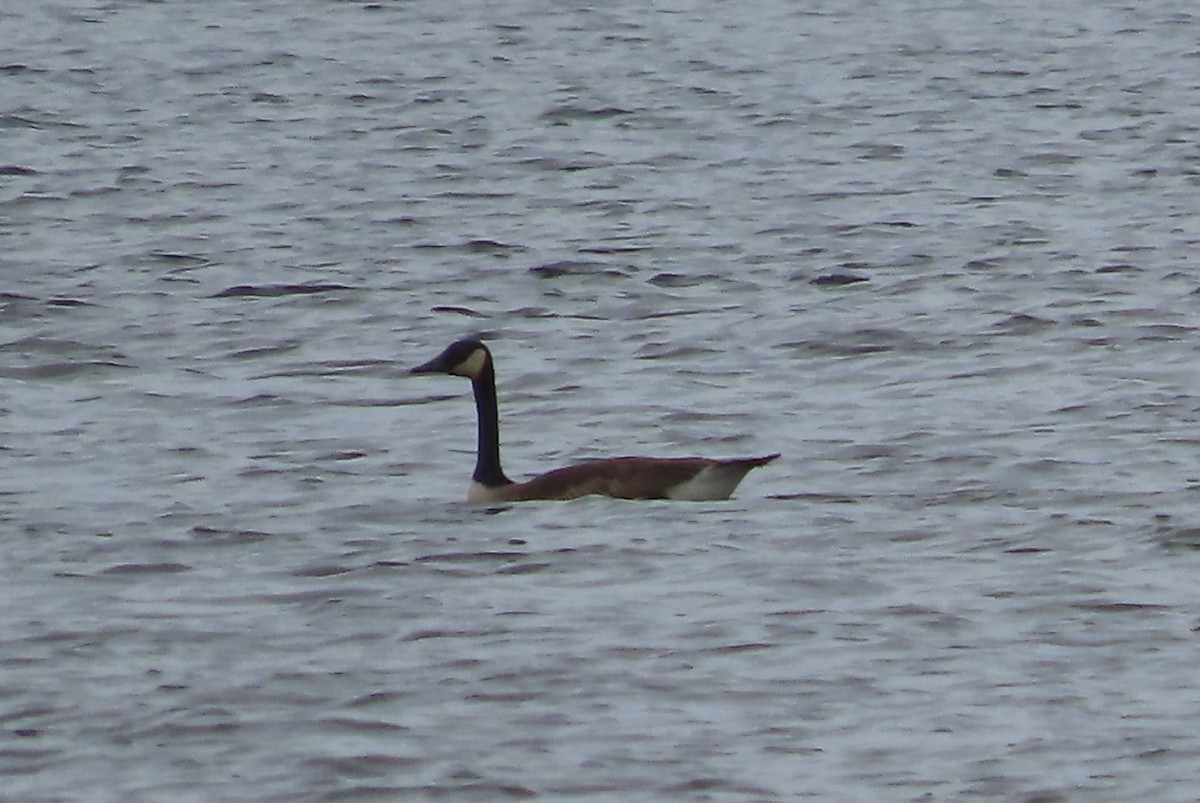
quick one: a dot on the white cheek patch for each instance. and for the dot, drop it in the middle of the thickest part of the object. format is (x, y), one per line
(472, 366)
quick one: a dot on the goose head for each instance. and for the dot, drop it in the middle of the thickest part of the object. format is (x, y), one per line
(467, 358)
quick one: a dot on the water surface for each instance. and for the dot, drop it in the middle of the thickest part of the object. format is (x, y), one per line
(940, 255)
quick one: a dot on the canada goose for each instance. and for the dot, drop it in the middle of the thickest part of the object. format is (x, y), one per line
(690, 478)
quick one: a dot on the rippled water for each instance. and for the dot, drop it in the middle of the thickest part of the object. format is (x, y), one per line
(939, 254)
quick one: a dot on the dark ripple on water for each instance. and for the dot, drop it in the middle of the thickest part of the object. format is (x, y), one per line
(941, 258)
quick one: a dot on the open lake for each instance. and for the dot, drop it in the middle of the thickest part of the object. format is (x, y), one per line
(941, 254)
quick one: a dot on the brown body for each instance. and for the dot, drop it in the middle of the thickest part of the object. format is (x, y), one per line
(691, 478)
(685, 478)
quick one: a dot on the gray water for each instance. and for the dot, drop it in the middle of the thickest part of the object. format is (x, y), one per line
(940, 253)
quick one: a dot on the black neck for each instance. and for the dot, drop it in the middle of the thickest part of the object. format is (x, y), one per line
(487, 460)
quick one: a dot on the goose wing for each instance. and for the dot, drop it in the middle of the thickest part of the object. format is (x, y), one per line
(692, 478)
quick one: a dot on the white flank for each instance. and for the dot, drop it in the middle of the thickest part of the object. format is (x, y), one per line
(715, 482)
(478, 492)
